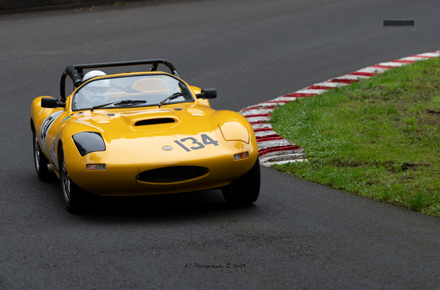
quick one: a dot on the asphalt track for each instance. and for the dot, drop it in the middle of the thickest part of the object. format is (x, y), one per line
(297, 235)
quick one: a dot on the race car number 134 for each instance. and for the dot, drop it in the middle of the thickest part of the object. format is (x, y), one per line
(206, 140)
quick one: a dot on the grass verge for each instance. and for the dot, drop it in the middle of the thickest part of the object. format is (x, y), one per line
(378, 138)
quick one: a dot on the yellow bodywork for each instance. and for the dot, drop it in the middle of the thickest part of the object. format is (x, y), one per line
(198, 136)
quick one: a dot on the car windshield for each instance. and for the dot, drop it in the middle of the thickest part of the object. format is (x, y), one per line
(129, 91)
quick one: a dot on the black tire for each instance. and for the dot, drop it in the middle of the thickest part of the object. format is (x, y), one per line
(74, 197)
(245, 190)
(40, 160)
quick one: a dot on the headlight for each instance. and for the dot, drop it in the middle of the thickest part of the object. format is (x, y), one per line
(234, 130)
(88, 142)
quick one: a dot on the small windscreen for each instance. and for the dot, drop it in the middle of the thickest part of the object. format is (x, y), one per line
(137, 90)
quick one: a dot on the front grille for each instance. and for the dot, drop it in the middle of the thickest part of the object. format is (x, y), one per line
(172, 174)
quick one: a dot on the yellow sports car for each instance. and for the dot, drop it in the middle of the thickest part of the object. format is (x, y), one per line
(141, 133)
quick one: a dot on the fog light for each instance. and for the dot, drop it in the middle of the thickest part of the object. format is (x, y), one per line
(95, 167)
(241, 155)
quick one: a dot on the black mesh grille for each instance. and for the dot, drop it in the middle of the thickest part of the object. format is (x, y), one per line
(155, 121)
(172, 174)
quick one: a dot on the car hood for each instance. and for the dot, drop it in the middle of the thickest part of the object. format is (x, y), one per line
(192, 131)
(134, 123)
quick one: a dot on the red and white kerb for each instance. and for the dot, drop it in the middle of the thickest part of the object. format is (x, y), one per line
(272, 148)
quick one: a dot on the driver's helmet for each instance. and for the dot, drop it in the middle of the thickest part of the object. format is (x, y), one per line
(96, 92)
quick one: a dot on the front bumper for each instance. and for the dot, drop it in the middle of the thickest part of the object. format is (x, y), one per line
(122, 168)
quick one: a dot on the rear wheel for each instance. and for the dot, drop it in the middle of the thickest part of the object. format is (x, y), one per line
(73, 195)
(40, 160)
(245, 190)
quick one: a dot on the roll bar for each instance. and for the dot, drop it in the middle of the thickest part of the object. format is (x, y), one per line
(75, 72)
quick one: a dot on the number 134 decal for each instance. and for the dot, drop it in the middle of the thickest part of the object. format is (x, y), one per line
(206, 140)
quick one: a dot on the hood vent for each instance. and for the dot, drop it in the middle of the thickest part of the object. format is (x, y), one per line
(155, 121)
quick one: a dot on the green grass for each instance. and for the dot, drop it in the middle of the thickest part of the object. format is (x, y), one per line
(378, 138)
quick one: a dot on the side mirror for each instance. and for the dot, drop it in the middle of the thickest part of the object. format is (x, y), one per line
(207, 94)
(51, 103)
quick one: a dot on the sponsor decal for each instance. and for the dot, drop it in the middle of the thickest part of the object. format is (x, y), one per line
(65, 119)
(46, 126)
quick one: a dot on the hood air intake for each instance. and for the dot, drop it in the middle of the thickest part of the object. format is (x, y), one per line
(155, 121)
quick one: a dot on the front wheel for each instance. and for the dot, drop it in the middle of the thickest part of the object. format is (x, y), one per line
(73, 195)
(40, 160)
(244, 191)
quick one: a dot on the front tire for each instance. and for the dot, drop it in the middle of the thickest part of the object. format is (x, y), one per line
(73, 195)
(244, 191)
(40, 160)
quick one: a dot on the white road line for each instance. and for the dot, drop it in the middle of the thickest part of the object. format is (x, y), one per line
(350, 77)
(395, 64)
(307, 91)
(262, 126)
(372, 70)
(265, 133)
(257, 112)
(413, 58)
(330, 84)
(269, 164)
(431, 54)
(258, 119)
(282, 152)
(274, 143)
(257, 106)
(290, 99)
(282, 157)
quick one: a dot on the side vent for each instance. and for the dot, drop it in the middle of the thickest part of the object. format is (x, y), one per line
(155, 121)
